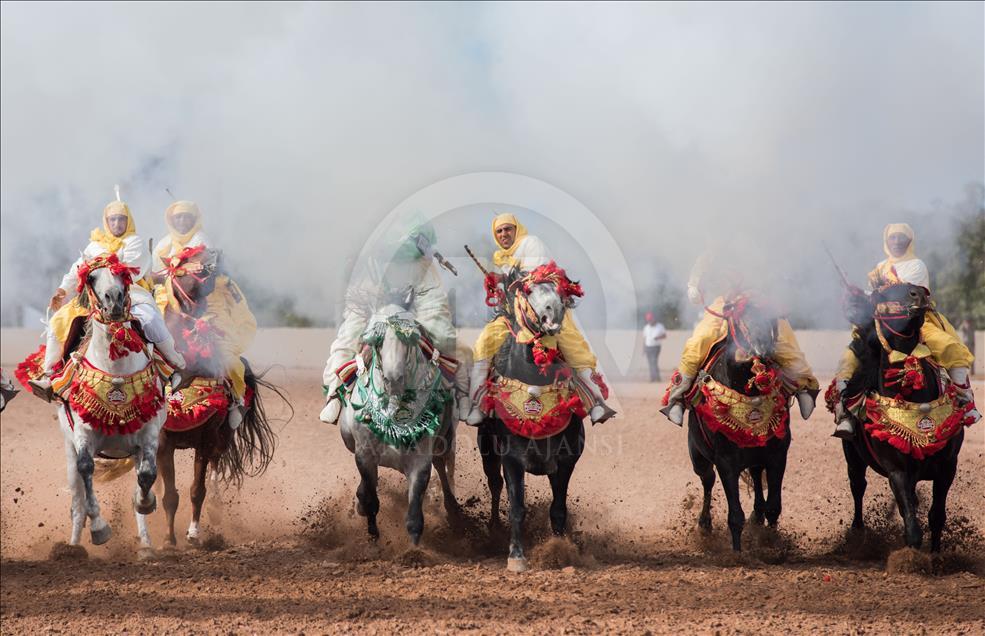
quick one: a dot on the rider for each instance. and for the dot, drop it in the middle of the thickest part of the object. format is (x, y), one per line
(413, 265)
(118, 235)
(903, 266)
(226, 307)
(798, 376)
(517, 249)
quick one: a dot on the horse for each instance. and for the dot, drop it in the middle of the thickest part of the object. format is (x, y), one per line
(112, 397)
(909, 426)
(399, 413)
(739, 416)
(198, 407)
(535, 423)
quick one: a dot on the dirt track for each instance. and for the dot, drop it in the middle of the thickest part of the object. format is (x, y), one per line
(288, 553)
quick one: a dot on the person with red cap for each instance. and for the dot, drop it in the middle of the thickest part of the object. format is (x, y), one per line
(653, 333)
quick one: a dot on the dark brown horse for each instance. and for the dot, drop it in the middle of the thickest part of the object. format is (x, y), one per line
(198, 410)
(894, 369)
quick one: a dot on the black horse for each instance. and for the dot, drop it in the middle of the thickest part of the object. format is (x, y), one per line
(735, 362)
(512, 455)
(896, 315)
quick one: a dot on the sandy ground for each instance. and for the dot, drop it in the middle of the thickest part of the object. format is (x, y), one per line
(287, 554)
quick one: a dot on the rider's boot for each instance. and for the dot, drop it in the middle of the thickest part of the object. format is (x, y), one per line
(845, 428)
(41, 386)
(237, 410)
(806, 402)
(961, 378)
(675, 401)
(480, 371)
(330, 413)
(601, 411)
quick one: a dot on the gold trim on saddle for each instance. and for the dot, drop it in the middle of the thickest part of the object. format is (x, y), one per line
(915, 422)
(198, 391)
(111, 398)
(757, 415)
(531, 402)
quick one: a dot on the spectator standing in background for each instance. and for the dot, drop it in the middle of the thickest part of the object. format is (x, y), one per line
(653, 334)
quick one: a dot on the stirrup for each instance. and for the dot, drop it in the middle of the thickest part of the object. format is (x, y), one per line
(601, 412)
(41, 387)
(476, 416)
(845, 430)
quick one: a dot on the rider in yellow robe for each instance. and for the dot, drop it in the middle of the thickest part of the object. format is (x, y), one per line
(226, 309)
(118, 235)
(797, 374)
(901, 265)
(518, 249)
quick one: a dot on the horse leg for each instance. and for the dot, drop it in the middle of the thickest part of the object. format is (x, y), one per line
(492, 467)
(445, 476)
(369, 503)
(144, 499)
(559, 489)
(165, 464)
(516, 562)
(99, 530)
(856, 479)
(938, 511)
(759, 502)
(900, 482)
(736, 518)
(197, 494)
(705, 470)
(75, 486)
(417, 483)
(774, 484)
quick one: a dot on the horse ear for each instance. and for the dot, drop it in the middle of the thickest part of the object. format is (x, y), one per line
(83, 300)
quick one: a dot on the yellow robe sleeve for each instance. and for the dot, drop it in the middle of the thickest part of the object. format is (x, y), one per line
(491, 338)
(709, 330)
(791, 358)
(575, 349)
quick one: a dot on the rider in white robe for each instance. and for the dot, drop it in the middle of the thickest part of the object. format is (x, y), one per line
(414, 266)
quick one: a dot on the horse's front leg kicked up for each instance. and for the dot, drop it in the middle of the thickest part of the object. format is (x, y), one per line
(513, 468)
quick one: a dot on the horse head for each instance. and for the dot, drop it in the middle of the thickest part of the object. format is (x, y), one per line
(898, 312)
(192, 274)
(103, 286)
(394, 335)
(549, 293)
(752, 328)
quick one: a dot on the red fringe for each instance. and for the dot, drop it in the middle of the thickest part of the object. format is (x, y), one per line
(112, 261)
(185, 420)
(124, 341)
(708, 409)
(148, 405)
(831, 395)
(547, 425)
(31, 367)
(944, 432)
(551, 273)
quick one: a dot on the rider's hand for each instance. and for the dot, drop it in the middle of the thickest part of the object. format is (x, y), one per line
(693, 295)
(56, 300)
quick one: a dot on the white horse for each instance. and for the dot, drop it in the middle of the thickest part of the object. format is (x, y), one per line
(399, 415)
(83, 443)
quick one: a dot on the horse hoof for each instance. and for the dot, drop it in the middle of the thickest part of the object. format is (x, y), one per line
(193, 540)
(146, 553)
(415, 539)
(145, 508)
(102, 535)
(517, 564)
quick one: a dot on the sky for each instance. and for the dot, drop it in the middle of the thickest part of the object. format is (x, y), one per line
(768, 128)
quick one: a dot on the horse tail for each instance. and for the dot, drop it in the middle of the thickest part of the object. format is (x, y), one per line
(108, 470)
(251, 447)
